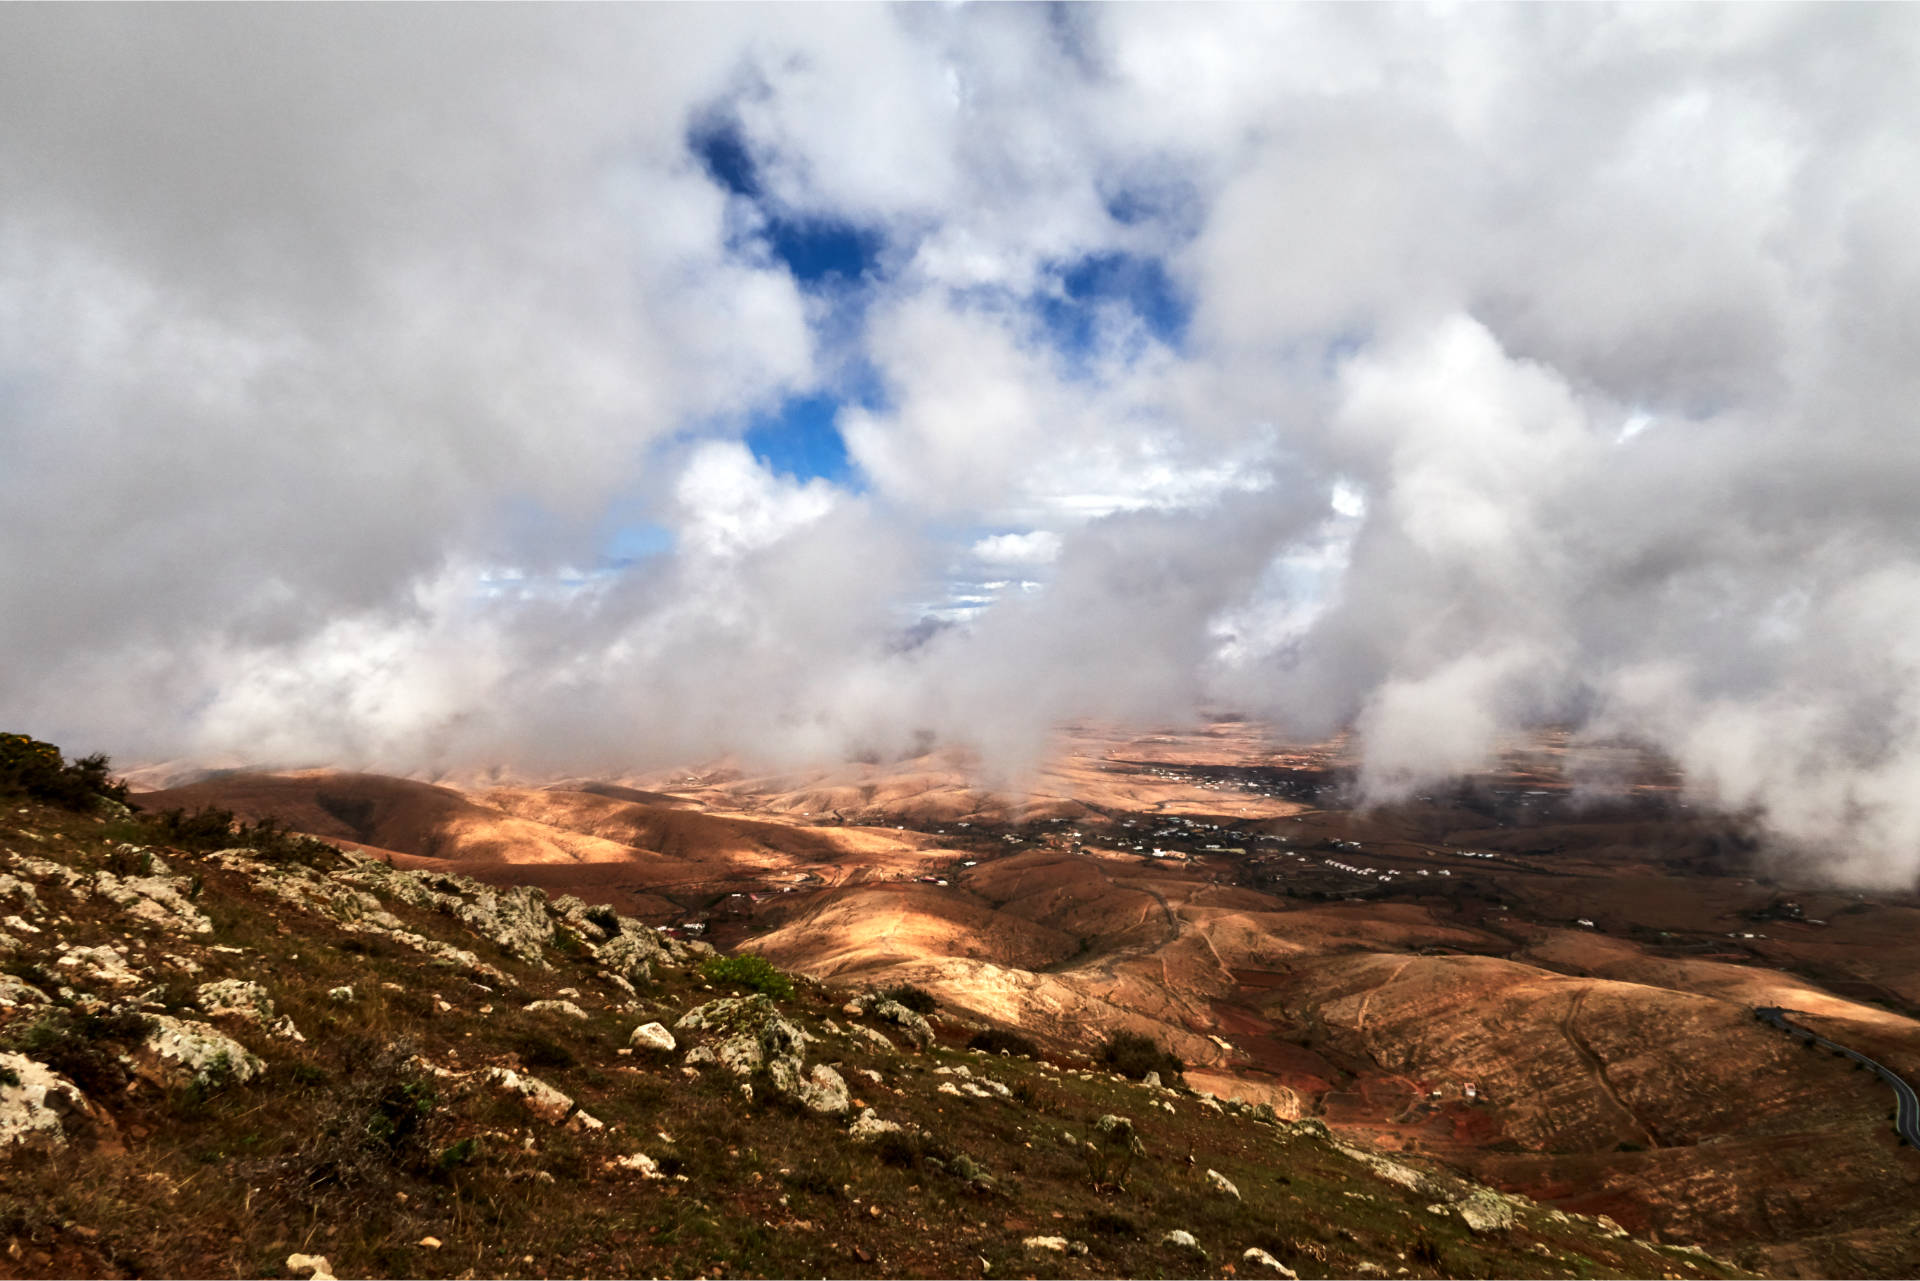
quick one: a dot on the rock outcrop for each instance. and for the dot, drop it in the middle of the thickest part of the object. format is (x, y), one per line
(39, 1108)
(187, 1052)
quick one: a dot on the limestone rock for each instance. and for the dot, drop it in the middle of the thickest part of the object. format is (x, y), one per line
(1118, 1132)
(342, 995)
(868, 1127)
(239, 997)
(631, 954)
(567, 1008)
(1222, 1184)
(157, 897)
(15, 991)
(40, 1108)
(638, 1163)
(871, 1038)
(541, 1099)
(652, 1036)
(757, 1036)
(822, 1090)
(315, 1265)
(97, 964)
(1260, 1258)
(1484, 1210)
(185, 1051)
(1057, 1245)
(916, 1027)
(1182, 1238)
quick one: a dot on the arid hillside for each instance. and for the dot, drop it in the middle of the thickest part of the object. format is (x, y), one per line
(1542, 984)
(281, 1059)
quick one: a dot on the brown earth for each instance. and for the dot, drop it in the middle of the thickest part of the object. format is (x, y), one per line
(1587, 961)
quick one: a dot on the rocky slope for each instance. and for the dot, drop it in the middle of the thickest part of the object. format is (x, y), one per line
(320, 1064)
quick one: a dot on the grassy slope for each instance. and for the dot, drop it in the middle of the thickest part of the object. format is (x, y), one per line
(230, 1181)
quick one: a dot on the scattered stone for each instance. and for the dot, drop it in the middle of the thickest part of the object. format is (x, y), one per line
(567, 1008)
(1484, 1210)
(916, 1027)
(1392, 1171)
(432, 1243)
(652, 1036)
(541, 1099)
(1440, 1208)
(822, 1090)
(1369, 1268)
(630, 956)
(639, 1163)
(97, 964)
(1260, 1258)
(868, 1127)
(314, 1264)
(1221, 1183)
(1151, 1080)
(342, 995)
(1182, 1238)
(876, 1040)
(239, 997)
(158, 898)
(184, 1051)
(16, 991)
(1056, 1244)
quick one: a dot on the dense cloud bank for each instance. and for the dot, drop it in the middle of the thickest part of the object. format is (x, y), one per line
(376, 385)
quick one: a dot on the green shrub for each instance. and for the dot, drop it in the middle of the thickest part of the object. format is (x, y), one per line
(994, 1040)
(455, 1155)
(85, 1048)
(1133, 1055)
(748, 970)
(917, 999)
(399, 1112)
(36, 768)
(372, 1128)
(218, 829)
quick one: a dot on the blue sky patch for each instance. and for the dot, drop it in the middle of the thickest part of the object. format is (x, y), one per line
(723, 153)
(816, 248)
(1139, 284)
(802, 441)
(812, 248)
(632, 543)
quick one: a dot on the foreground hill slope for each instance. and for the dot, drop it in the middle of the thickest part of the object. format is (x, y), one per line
(229, 1063)
(1546, 991)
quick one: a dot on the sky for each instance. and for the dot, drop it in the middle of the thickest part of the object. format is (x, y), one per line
(579, 389)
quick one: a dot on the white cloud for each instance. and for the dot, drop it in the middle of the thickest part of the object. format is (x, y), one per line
(335, 344)
(1039, 547)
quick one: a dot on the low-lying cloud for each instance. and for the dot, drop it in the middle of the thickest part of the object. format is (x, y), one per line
(1435, 372)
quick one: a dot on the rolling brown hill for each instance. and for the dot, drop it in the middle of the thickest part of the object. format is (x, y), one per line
(1588, 966)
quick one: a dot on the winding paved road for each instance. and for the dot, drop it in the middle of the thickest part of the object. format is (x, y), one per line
(1906, 1121)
